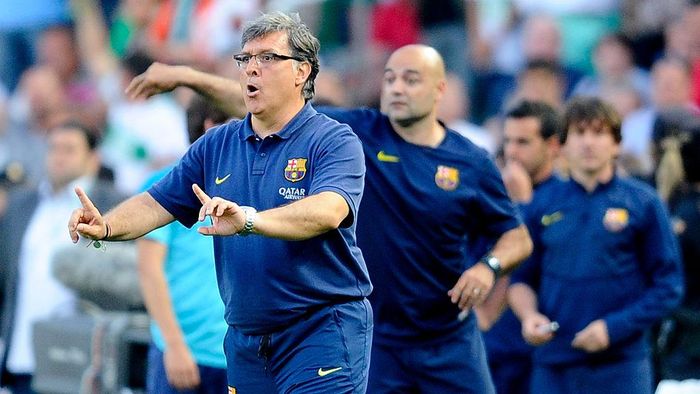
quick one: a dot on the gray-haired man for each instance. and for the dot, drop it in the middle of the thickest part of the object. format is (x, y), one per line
(294, 282)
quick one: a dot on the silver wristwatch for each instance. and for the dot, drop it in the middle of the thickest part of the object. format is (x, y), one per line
(250, 215)
(494, 263)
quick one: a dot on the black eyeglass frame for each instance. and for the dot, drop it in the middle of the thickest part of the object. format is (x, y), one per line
(242, 59)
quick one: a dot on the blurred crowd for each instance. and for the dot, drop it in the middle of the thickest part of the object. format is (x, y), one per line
(71, 60)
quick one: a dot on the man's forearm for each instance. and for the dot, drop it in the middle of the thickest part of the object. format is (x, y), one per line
(513, 247)
(303, 219)
(155, 290)
(135, 217)
(522, 300)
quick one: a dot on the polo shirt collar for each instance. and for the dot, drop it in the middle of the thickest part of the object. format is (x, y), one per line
(599, 187)
(307, 111)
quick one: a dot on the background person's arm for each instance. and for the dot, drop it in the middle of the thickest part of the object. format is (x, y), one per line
(180, 367)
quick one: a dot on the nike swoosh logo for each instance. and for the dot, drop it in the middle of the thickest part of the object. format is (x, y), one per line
(387, 158)
(322, 373)
(222, 180)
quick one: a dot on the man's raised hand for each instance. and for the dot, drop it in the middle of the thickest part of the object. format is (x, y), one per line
(86, 221)
(227, 217)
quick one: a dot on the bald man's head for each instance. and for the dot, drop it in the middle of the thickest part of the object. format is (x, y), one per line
(414, 82)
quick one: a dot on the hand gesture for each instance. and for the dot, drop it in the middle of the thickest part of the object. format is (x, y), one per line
(534, 331)
(227, 217)
(472, 287)
(180, 368)
(517, 182)
(86, 221)
(593, 338)
(158, 78)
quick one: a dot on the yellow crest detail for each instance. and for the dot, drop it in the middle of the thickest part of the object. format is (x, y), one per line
(295, 170)
(551, 218)
(231, 390)
(447, 178)
(616, 219)
(387, 158)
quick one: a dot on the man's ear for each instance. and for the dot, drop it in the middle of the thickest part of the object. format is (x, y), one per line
(302, 73)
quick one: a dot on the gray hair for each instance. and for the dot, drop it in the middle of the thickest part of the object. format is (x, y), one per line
(302, 43)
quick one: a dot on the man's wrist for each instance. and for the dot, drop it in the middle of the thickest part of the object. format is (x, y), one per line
(108, 232)
(493, 263)
(251, 215)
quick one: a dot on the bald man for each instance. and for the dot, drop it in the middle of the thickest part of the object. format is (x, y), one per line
(428, 192)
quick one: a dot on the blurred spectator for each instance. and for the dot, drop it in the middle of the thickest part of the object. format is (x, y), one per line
(20, 26)
(680, 335)
(453, 110)
(540, 43)
(452, 28)
(672, 128)
(330, 89)
(394, 23)
(582, 23)
(128, 25)
(141, 135)
(178, 281)
(692, 28)
(30, 232)
(623, 96)
(37, 105)
(541, 80)
(613, 60)
(58, 50)
(670, 87)
(646, 22)
(676, 40)
(197, 32)
(11, 176)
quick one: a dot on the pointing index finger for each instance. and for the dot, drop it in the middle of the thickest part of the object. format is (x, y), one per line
(84, 200)
(201, 195)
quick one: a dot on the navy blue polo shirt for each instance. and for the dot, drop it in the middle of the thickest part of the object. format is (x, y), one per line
(609, 254)
(504, 341)
(267, 283)
(421, 207)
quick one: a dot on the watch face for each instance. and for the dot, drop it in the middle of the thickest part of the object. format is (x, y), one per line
(494, 263)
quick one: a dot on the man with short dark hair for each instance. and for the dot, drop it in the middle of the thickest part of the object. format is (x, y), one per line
(531, 144)
(31, 233)
(605, 267)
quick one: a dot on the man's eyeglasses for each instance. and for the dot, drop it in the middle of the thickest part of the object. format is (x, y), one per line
(263, 59)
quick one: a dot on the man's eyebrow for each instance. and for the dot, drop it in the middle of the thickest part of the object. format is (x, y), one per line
(409, 71)
(266, 50)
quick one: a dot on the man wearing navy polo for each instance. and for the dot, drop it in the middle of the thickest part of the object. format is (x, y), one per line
(429, 193)
(433, 192)
(282, 188)
(605, 268)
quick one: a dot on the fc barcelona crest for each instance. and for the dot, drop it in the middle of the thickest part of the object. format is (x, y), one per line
(295, 170)
(616, 219)
(447, 178)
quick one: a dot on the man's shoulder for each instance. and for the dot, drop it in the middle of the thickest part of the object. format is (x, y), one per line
(637, 189)
(458, 142)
